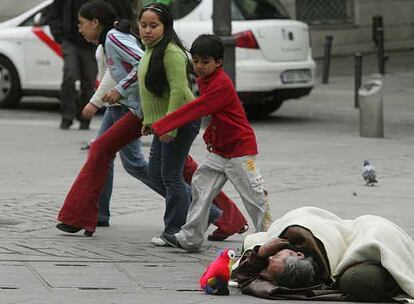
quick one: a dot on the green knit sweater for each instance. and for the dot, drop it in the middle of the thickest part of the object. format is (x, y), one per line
(153, 107)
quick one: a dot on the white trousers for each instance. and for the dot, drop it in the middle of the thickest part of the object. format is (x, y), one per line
(208, 180)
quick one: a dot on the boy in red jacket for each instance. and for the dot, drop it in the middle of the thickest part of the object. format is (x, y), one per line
(230, 140)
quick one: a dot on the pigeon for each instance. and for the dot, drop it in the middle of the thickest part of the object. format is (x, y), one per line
(369, 174)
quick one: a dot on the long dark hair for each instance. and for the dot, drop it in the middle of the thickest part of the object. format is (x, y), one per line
(155, 79)
(107, 16)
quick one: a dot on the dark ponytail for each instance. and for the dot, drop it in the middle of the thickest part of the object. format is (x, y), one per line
(156, 79)
(123, 26)
(125, 20)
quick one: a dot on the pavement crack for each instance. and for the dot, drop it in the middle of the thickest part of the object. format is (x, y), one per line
(126, 273)
(38, 250)
(96, 288)
(39, 277)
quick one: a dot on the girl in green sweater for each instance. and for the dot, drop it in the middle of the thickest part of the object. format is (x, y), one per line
(164, 87)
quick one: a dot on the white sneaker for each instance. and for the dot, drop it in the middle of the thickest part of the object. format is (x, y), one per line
(158, 241)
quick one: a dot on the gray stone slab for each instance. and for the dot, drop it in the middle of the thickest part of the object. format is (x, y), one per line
(177, 276)
(85, 276)
(149, 296)
(20, 277)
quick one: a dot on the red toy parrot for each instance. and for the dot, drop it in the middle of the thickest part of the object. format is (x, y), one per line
(216, 277)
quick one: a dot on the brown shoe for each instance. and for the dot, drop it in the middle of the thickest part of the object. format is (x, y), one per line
(219, 235)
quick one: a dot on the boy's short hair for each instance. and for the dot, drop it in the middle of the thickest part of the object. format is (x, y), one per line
(208, 45)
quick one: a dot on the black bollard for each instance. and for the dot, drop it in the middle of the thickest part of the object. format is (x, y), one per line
(327, 59)
(222, 28)
(358, 78)
(380, 50)
(376, 23)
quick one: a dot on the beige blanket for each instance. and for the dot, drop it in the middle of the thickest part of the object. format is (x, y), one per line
(366, 238)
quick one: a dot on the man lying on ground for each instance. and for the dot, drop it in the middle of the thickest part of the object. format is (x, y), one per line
(310, 253)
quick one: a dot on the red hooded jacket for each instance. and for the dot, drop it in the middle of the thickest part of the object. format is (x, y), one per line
(229, 132)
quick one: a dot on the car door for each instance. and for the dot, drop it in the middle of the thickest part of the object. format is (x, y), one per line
(43, 56)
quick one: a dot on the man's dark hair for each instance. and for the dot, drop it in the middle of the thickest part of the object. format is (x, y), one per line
(298, 273)
(207, 45)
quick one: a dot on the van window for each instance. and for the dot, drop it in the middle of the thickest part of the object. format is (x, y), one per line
(43, 20)
(258, 10)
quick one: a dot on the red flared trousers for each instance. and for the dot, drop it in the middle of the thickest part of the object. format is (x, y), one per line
(80, 208)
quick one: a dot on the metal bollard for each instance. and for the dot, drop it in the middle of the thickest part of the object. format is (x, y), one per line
(222, 28)
(376, 23)
(380, 50)
(371, 117)
(327, 59)
(358, 78)
(229, 65)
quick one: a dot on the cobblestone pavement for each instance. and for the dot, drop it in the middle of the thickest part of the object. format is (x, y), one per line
(310, 154)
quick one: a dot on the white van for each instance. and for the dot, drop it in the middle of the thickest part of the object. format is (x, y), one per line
(273, 55)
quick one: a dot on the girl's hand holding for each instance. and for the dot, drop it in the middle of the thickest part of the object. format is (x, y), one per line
(89, 110)
(112, 97)
(166, 138)
(146, 130)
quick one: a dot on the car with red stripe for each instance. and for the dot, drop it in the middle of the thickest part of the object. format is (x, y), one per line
(273, 54)
(30, 60)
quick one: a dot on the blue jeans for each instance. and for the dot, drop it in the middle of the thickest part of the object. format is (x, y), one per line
(166, 164)
(132, 160)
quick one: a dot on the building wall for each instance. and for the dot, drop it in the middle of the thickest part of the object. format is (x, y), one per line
(398, 18)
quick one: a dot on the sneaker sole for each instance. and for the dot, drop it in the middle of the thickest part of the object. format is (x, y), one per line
(172, 244)
(159, 244)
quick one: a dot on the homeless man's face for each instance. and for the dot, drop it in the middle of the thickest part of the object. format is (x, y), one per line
(277, 261)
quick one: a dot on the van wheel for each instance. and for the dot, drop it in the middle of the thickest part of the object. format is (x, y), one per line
(263, 110)
(10, 92)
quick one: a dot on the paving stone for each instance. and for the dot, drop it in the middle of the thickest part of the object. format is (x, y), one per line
(310, 153)
(83, 276)
(20, 277)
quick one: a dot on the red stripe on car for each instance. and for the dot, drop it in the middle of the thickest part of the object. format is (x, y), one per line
(52, 44)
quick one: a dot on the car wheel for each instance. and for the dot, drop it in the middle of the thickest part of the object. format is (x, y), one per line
(264, 109)
(10, 92)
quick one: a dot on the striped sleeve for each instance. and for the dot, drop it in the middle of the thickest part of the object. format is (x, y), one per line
(128, 51)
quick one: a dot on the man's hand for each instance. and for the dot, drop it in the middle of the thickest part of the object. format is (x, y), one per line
(166, 138)
(272, 247)
(146, 130)
(112, 97)
(89, 111)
